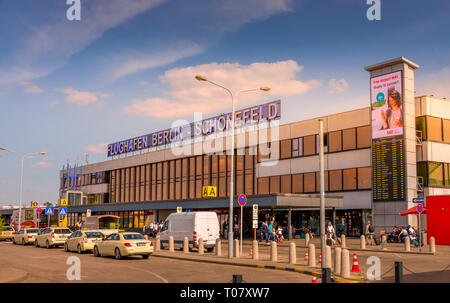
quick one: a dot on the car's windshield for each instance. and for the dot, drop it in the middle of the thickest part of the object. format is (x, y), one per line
(94, 234)
(133, 237)
(62, 231)
(32, 231)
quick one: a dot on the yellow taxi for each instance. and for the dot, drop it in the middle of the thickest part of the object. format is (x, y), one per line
(7, 233)
(82, 240)
(123, 244)
(25, 236)
(52, 236)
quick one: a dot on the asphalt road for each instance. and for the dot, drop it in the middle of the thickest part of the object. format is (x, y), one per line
(49, 266)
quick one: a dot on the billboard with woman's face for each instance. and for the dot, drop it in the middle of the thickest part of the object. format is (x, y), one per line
(386, 104)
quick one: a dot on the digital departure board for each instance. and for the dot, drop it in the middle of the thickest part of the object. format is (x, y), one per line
(388, 169)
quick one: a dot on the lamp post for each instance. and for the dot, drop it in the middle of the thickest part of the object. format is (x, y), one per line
(21, 178)
(230, 212)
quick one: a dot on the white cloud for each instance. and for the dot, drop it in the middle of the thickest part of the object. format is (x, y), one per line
(43, 164)
(96, 148)
(187, 95)
(54, 103)
(436, 84)
(31, 88)
(79, 97)
(144, 83)
(337, 86)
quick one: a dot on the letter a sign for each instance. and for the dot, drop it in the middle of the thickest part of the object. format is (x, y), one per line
(209, 191)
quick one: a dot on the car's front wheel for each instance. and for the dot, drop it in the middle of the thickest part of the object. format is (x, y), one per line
(47, 245)
(36, 243)
(145, 256)
(96, 252)
(79, 249)
(66, 248)
(14, 241)
(23, 242)
(117, 254)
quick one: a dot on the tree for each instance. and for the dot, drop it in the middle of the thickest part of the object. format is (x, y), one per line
(2, 223)
(48, 204)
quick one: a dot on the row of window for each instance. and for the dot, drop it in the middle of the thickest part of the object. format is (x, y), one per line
(335, 180)
(434, 173)
(434, 129)
(127, 219)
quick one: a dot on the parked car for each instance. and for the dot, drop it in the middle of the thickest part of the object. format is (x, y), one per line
(123, 244)
(52, 236)
(193, 225)
(82, 240)
(7, 233)
(25, 236)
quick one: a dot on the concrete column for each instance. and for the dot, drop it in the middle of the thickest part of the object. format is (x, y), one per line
(289, 225)
(255, 251)
(362, 243)
(384, 242)
(312, 255)
(218, 248)
(345, 264)
(158, 243)
(328, 257)
(171, 246)
(432, 245)
(273, 251)
(307, 240)
(407, 244)
(236, 248)
(186, 245)
(343, 244)
(337, 260)
(201, 246)
(292, 253)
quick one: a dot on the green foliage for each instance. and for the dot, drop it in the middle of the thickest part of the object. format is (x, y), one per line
(2, 223)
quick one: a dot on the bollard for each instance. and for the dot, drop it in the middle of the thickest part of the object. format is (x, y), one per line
(307, 238)
(236, 248)
(312, 255)
(345, 264)
(362, 242)
(273, 252)
(407, 244)
(328, 256)
(384, 242)
(158, 243)
(255, 250)
(337, 260)
(398, 272)
(186, 245)
(218, 248)
(292, 253)
(343, 244)
(432, 245)
(201, 246)
(171, 248)
(237, 279)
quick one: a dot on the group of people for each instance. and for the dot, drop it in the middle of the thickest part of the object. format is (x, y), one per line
(398, 234)
(153, 228)
(271, 232)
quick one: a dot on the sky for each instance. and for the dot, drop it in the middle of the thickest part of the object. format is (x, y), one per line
(127, 69)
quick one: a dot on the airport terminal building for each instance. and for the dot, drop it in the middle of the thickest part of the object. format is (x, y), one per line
(373, 166)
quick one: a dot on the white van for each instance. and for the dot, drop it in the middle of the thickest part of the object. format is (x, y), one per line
(193, 225)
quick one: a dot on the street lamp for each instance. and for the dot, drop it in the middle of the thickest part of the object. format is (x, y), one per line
(21, 178)
(230, 212)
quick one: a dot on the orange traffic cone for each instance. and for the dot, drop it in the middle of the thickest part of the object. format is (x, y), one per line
(320, 258)
(314, 280)
(355, 267)
(306, 256)
(251, 252)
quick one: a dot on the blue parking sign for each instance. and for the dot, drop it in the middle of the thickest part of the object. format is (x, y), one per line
(49, 210)
(62, 211)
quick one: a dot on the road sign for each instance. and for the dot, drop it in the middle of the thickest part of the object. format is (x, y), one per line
(88, 213)
(419, 208)
(255, 211)
(62, 211)
(188, 210)
(39, 210)
(179, 209)
(418, 200)
(34, 204)
(242, 200)
(49, 210)
(63, 202)
(209, 191)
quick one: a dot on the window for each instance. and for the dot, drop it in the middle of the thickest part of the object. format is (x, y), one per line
(335, 141)
(335, 180)
(325, 143)
(363, 137)
(309, 182)
(274, 184)
(434, 129)
(349, 139)
(297, 147)
(422, 126)
(286, 184)
(446, 174)
(297, 183)
(446, 129)
(309, 145)
(286, 149)
(263, 186)
(349, 176)
(325, 178)
(435, 173)
(422, 172)
(364, 178)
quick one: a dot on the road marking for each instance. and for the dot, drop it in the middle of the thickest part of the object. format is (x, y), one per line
(152, 273)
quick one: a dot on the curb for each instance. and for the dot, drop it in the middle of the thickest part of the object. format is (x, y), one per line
(291, 269)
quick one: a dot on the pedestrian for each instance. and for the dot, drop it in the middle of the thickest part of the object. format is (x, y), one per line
(403, 234)
(264, 231)
(161, 224)
(280, 236)
(331, 234)
(413, 237)
(144, 230)
(369, 233)
(271, 232)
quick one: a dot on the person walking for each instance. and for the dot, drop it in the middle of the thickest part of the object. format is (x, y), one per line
(331, 234)
(271, 232)
(264, 231)
(369, 233)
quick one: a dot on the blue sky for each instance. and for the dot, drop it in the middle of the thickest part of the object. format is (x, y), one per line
(127, 68)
